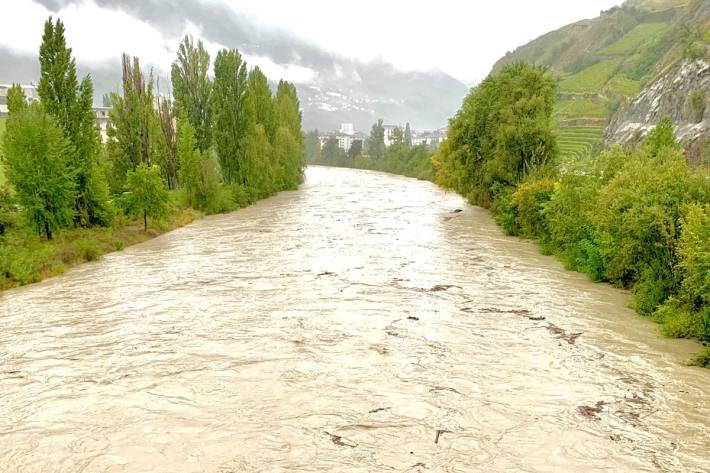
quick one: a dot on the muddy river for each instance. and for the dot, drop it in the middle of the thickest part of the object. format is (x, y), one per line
(359, 324)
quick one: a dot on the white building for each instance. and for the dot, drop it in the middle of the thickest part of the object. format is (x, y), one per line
(102, 120)
(30, 91)
(347, 129)
(32, 95)
(389, 133)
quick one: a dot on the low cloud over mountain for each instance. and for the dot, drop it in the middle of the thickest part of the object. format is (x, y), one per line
(332, 88)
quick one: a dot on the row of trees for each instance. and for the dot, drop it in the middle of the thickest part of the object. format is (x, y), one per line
(401, 157)
(224, 141)
(638, 218)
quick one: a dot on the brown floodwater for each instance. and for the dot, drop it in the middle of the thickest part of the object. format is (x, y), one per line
(358, 324)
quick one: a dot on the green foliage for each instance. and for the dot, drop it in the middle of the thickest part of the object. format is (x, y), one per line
(288, 109)
(581, 108)
(198, 176)
(635, 38)
(592, 78)
(661, 137)
(264, 103)
(37, 160)
(528, 203)
(375, 145)
(697, 104)
(702, 359)
(501, 133)
(288, 154)
(332, 154)
(56, 166)
(258, 170)
(16, 100)
(146, 194)
(192, 88)
(694, 50)
(87, 249)
(311, 144)
(355, 149)
(693, 270)
(8, 215)
(234, 114)
(71, 105)
(622, 85)
(133, 126)
(636, 217)
(164, 143)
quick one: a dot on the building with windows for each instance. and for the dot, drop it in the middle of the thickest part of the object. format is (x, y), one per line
(347, 129)
(102, 121)
(390, 131)
(30, 91)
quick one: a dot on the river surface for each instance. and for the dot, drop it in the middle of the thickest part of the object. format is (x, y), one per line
(358, 324)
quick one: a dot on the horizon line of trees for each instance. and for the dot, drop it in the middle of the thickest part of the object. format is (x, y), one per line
(221, 142)
(400, 157)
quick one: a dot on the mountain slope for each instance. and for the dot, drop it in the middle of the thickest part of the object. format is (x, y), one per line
(603, 63)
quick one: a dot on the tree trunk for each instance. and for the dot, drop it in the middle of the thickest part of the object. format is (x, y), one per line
(47, 230)
(145, 220)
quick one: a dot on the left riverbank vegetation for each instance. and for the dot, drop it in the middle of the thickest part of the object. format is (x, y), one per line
(636, 217)
(221, 142)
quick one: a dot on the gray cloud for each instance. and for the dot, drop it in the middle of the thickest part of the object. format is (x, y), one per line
(344, 90)
(219, 24)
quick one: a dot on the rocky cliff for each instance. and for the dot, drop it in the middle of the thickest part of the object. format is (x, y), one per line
(682, 94)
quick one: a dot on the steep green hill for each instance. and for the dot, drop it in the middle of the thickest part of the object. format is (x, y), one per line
(606, 61)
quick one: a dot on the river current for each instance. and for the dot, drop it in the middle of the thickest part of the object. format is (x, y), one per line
(363, 323)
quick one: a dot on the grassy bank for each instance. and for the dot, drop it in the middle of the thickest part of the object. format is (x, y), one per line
(25, 258)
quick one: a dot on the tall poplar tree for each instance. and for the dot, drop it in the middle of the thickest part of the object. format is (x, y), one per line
(70, 103)
(263, 102)
(234, 114)
(192, 88)
(376, 142)
(287, 108)
(133, 122)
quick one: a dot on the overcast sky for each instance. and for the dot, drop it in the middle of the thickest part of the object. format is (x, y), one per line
(462, 38)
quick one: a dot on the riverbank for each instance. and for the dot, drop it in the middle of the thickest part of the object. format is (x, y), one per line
(27, 259)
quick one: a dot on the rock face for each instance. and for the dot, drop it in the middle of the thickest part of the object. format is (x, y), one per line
(682, 93)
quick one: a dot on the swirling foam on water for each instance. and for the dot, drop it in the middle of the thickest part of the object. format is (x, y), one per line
(356, 324)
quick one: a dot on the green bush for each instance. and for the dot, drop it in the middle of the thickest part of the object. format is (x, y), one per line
(87, 249)
(24, 265)
(702, 359)
(637, 216)
(696, 103)
(694, 50)
(528, 202)
(502, 209)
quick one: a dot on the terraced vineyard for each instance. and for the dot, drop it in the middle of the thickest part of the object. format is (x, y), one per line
(576, 141)
(603, 63)
(587, 96)
(580, 124)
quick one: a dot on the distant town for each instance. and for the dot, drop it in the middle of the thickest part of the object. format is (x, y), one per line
(347, 136)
